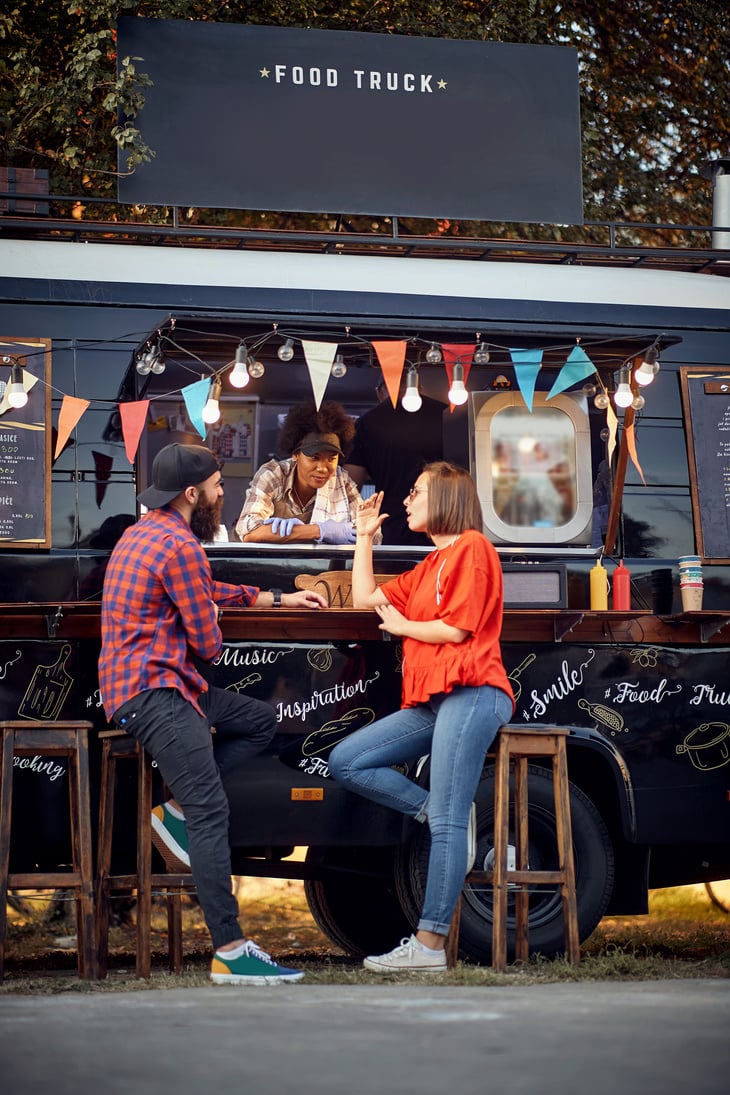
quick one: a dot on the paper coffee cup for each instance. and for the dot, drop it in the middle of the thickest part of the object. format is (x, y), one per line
(691, 596)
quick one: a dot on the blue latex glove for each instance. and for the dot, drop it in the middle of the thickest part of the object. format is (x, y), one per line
(282, 525)
(336, 532)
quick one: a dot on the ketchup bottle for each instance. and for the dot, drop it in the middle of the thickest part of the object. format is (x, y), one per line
(621, 588)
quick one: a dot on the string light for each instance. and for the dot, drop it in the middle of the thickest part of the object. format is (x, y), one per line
(411, 400)
(648, 369)
(212, 409)
(17, 395)
(256, 368)
(481, 354)
(238, 376)
(457, 392)
(623, 396)
(433, 354)
(286, 350)
(339, 368)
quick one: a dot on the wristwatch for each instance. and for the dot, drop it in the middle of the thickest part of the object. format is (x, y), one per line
(276, 594)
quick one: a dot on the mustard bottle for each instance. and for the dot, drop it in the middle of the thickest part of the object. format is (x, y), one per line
(599, 587)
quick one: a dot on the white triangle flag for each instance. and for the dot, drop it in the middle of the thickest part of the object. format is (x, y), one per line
(319, 357)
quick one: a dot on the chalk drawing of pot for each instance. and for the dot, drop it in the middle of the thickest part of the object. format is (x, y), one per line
(707, 746)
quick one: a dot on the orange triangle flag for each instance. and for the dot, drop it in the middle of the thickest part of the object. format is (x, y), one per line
(631, 443)
(392, 356)
(71, 411)
(134, 416)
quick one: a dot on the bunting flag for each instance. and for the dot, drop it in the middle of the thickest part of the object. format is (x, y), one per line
(134, 416)
(319, 357)
(612, 423)
(527, 365)
(196, 396)
(631, 444)
(391, 357)
(463, 352)
(576, 368)
(71, 411)
(103, 469)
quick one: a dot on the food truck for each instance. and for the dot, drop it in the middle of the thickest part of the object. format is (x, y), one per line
(103, 319)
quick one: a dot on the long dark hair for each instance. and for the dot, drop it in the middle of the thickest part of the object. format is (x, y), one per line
(453, 502)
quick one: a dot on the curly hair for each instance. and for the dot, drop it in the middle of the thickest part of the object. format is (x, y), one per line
(305, 418)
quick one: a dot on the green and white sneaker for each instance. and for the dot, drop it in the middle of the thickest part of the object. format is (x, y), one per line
(170, 837)
(253, 967)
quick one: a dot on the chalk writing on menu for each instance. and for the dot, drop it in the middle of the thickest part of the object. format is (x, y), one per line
(25, 445)
(706, 400)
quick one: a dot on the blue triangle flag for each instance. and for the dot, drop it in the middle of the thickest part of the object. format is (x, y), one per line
(196, 396)
(527, 365)
(577, 367)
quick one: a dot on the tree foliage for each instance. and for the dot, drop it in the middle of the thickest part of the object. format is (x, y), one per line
(654, 77)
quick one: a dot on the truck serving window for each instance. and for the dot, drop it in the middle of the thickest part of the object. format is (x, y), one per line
(532, 468)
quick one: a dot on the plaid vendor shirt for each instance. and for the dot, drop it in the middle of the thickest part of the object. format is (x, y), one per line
(159, 611)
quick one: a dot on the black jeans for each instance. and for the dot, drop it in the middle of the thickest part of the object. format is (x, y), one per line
(190, 760)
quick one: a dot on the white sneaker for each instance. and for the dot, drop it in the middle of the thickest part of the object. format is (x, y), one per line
(409, 957)
(471, 838)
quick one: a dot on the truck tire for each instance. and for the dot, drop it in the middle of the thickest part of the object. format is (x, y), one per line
(355, 902)
(594, 867)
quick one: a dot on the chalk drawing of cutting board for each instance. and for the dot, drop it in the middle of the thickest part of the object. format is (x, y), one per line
(47, 690)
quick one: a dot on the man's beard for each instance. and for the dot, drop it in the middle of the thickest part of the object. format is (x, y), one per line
(205, 518)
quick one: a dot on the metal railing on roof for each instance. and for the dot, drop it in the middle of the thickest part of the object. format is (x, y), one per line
(626, 243)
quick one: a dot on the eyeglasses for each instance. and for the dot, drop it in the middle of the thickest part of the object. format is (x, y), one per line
(416, 490)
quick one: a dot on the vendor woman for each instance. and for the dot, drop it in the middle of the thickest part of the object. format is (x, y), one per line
(307, 497)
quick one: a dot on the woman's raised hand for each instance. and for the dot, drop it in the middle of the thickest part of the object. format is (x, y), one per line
(369, 518)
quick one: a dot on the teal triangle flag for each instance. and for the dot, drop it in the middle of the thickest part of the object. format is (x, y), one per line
(527, 365)
(576, 368)
(196, 396)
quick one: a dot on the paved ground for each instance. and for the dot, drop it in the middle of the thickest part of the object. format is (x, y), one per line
(650, 1038)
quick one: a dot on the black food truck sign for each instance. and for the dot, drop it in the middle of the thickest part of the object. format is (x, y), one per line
(331, 121)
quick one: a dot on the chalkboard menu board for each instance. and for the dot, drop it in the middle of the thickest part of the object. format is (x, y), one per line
(25, 446)
(706, 400)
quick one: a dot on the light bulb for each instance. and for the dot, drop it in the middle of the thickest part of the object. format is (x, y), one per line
(17, 395)
(256, 368)
(411, 400)
(646, 372)
(158, 362)
(457, 392)
(144, 365)
(286, 350)
(481, 354)
(338, 366)
(238, 376)
(623, 396)
(601, 401)
(433, 354)
(212, 410)
(638, 402)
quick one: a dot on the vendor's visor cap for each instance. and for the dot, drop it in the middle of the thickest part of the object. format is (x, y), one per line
(174, 468)
(313, 443)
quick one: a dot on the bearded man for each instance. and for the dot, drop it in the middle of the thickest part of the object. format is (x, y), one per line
(160, 610)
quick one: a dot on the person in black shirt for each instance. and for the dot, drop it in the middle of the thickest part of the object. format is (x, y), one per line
(391, 448)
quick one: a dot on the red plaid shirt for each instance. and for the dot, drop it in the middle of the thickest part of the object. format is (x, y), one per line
(159, 611)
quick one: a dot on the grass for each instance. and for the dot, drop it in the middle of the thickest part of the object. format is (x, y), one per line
(684, 936)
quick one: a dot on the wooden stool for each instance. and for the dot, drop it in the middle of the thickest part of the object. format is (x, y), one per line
(117, 745)
(521, 744)
(25, 738)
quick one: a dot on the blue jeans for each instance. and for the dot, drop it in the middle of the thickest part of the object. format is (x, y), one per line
(188, 757)
(457, 729)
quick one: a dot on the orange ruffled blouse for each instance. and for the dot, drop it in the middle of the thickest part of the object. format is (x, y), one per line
(461, 585)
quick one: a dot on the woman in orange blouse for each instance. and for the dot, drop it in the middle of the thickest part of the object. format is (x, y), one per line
(456, 693)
